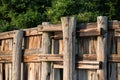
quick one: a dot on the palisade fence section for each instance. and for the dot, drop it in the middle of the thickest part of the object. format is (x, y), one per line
(66, 51)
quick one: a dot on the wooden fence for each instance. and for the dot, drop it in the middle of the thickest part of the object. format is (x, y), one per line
(67, 51)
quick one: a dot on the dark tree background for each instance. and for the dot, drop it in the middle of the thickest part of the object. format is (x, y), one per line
(17, 14)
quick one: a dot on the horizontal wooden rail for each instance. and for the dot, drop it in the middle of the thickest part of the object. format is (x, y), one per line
(26, 51)
(42, 57)
(88, 32)
(82, 65)
(117, 32)
(81, 33)
(35, 55)
(87, 57)
(87, 61)
(88, 29)
(111, 25)
(27, 32)
(50, 28)
(6, 35)
(115, 58)
(33, 58)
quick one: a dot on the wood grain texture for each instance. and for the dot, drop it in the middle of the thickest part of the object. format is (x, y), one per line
(118, 53)
(112, 67)
(102, 48)
(69, 36)
(16, 57)
(56, 72)
(50, 28)
(46, 42)
(1, 71)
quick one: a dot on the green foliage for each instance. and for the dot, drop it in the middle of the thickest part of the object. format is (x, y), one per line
(85, 10)
(17, 14)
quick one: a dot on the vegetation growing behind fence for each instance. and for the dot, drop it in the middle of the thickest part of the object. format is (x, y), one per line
(66, 51)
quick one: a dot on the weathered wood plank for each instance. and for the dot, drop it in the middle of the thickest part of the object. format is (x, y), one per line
(1, 71)
(112, 67)
(81, 33)
(69, 36)
(55, 50)
(46, 42)
(82, 65)
(88, 32)
(27, 32)
(6, 35)
(114, 58)
(32, 32)
(88, 57)
(35, 57)
(118, 52)
(16, 56)
(117, 33)
(50, 28)
(40, 57)
(102, 47)
(114, 24)
(88, 65)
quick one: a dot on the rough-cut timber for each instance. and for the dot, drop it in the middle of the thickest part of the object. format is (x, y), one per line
(87, 57)
(88, 65)
(118, 53)
(85, 65)
(115, 58)
(16, 57)
(46, 42)
(117, 32)
(88, 32)
(69, 35)
(114, 24)
(102, 47)
(49, 28)
(32, 32)
(33, 58)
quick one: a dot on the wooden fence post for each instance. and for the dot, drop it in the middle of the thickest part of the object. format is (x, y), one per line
(102, 47)
(16, 57)
(69, 35)
(46, 42)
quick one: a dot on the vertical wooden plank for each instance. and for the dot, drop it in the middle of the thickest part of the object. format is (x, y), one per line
(6, 72)
(102, 47)
(1, 71)
(39, 41)
(83, 45)
(69, 36)
(112, 67)
(56, 72)
(10, 65)
(61, 47)
(45, 75)
(16, 58)
(118, 64)
(92, 50)
(30, 66)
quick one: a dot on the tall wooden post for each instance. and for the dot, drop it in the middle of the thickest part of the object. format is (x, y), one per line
(46, 42)
(69, 35)
(102, 47)
(16, 58)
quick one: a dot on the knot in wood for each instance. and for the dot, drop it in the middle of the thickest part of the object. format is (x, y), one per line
(66, 38)
(66, 25)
